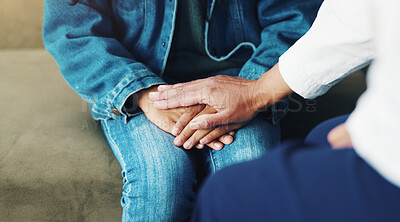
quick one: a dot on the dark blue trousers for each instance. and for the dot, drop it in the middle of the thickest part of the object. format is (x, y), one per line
(300, 182)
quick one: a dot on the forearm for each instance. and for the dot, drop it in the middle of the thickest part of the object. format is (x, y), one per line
(270, 88)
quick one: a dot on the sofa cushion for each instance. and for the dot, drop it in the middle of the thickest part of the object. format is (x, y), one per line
(55, 164)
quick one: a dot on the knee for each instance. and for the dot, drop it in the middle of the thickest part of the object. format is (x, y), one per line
(158, 179)
(161, 183)
(258, 134)
(251, 142)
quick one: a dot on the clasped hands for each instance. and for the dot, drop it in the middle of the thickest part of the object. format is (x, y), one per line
(175, 121)
(233, 102)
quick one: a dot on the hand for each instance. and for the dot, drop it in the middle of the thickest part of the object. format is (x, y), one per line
(339, 137)
(166, 119)
(232, 97)
(235, 99)
(192, 136)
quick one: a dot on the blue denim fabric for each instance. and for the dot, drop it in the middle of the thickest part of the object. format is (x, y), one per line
(107, 52)
(160, 179)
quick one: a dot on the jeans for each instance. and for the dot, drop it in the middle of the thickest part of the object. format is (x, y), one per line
(300, 182)
(159, 179)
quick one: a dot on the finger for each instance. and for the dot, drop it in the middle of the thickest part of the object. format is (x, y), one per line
(195, 138)
(215, 145)
(226, 139)
(156, 96)
(232, 133)
(164, 87)
(183, 100)
(216, 134)
(208, 121)
(175, 90)
(339, 137)
(185, 119)
(187, 85)
(200, 146)
(186, 133)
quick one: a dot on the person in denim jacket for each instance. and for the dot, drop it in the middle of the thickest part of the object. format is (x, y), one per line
(114, 53)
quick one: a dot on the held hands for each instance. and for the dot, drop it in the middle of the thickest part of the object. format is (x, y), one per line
(174, 121)
(234, 99)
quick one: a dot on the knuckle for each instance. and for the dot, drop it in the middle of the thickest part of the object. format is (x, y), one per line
(179, 90)
(192, 110)
(179, 124)
(207, 90)
(184, 134)
(220, 131)
(207, 123)
(162, 95)
(213, 83)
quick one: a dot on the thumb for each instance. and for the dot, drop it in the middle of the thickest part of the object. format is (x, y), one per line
(208, 121)
(339, 137)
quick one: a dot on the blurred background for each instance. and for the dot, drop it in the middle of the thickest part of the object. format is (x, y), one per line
(55, 164)
(20, 24)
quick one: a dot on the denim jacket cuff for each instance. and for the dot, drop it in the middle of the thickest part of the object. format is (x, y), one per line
(133, 83)
(252, 71)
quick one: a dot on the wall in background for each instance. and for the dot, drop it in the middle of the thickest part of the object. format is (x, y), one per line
(21, 24)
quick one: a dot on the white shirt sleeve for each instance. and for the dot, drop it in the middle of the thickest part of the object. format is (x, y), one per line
(339, 41)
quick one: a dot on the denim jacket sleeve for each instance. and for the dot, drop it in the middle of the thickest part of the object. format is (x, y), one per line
(283, 22)
(95, 64)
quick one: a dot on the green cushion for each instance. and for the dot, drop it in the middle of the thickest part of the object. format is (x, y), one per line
(55, 164)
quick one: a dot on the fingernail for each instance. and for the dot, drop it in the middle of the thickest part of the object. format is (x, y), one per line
(218, 145)
(162, 87)
(228, 139)
(178, 142)
(158, 104)
(203, 141)
(153, 95)
(187, 145)
(175, 131)
(200, 146)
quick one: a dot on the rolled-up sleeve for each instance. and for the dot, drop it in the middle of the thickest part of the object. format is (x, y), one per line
(337, 44)
(95, 64)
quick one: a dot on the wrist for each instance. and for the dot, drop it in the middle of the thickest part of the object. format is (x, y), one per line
(261, 97)
(271, 88)
(143, 98)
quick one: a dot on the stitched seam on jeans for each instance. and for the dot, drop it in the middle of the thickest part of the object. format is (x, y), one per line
(115, 145)
(212, 161)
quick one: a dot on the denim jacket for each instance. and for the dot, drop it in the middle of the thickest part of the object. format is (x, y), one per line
(108, 51)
